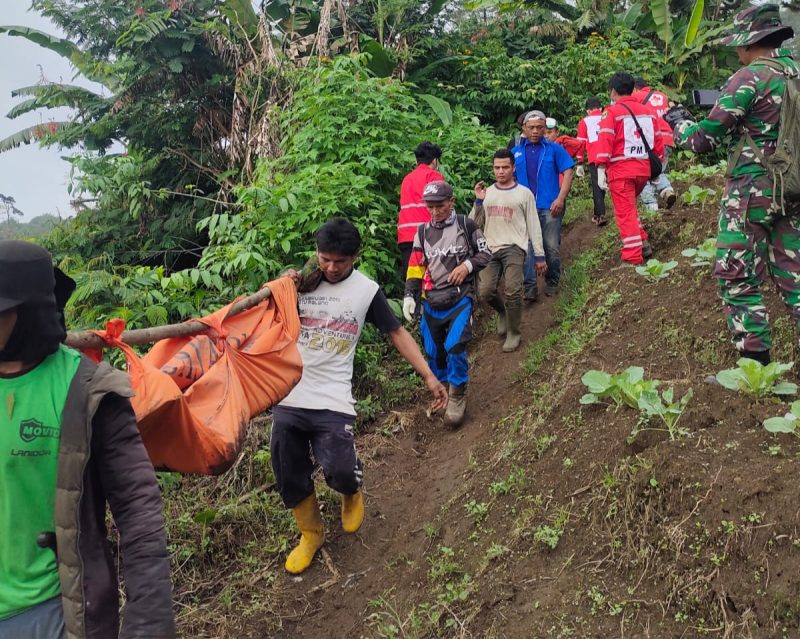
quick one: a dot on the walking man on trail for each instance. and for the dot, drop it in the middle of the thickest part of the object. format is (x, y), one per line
(539, 165)
(69, 444)
(319, 413)
(448, 253)
(507, 212)
(413, 211)
(759, 230)
(623, 162)
(659, 189)
(588, 133)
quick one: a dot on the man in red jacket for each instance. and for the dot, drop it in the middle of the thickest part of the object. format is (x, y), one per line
(645, 95)
(623, 164)
(588, 132)
(413, 211)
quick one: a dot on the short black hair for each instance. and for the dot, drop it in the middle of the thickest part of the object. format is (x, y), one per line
(639, 82)
(593, 103)
(338, 236)
(427, 152)
(504, 154)
(622, 83)
(775, 40)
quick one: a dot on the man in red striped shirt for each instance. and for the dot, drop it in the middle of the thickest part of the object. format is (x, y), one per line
(413, 211)
(623, 163)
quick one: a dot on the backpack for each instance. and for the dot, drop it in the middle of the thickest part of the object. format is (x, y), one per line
(461, 221)
(783, 165)
(446, 298)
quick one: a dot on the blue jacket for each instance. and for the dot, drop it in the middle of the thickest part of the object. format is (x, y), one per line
(553, 161)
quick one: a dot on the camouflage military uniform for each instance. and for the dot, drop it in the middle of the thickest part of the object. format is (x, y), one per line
(755, 233)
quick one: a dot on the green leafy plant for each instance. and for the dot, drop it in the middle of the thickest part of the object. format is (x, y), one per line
(629, 388)
(694, 171)
(757, 380)
(656, 270)
(703, 254)
(667, 409)
(786, 424)
(698, 195)
(624, 388)
(550, 534)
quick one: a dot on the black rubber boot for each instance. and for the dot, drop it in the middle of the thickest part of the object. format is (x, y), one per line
(762, 357)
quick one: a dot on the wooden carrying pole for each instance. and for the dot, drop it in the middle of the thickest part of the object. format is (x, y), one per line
(87, 339)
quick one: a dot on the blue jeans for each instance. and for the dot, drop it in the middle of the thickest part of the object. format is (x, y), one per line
(44, 621)
(648, 194)
(551, 236)
(655, 187)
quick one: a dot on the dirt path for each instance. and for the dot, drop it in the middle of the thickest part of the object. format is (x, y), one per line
(407, 483)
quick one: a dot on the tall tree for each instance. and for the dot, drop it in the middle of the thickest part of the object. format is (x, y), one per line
(9, 207)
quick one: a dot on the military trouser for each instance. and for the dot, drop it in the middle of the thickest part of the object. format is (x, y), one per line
(755, 238)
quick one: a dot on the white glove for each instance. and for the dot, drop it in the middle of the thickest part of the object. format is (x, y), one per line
(602, 180)
(579, 171)
(409, 306)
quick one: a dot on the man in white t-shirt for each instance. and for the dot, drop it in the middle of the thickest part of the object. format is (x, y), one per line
(319, 414)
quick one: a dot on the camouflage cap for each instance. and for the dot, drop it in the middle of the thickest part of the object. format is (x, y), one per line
(755, 23)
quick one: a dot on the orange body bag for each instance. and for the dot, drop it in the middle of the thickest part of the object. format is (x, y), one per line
(194, 396)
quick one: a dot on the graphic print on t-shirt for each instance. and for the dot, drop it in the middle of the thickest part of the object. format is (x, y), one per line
(321, 331)
(504, 212)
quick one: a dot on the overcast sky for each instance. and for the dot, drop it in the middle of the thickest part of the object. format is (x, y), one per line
(36, 178)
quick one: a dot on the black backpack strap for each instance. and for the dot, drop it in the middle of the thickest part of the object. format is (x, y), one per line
(461, 220)
(649, 95)
(421, 235)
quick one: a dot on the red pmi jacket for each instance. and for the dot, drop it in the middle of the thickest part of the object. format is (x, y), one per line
(619, 145)
(413, 211)
(588, 130)
(659, 101)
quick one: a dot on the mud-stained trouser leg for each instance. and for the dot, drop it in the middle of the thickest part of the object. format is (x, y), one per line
(784, 262)
(297, 431)
(741, 268)
(488, 282)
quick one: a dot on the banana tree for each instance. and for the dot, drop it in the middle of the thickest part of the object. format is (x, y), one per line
(682, 38)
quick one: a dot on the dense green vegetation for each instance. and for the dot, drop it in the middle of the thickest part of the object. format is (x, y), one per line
(35, 228)
(243, 131)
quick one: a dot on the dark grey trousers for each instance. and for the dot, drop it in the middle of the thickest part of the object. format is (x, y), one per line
(296, 432)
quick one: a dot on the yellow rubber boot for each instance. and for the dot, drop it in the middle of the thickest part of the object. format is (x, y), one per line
(352, 512)
(309, 521)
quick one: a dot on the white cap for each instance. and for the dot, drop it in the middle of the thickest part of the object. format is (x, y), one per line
(551, 123)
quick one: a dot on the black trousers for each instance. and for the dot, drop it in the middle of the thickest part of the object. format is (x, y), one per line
(296, 432)
(598, 194)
